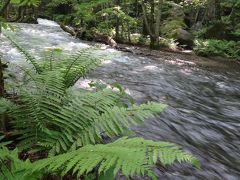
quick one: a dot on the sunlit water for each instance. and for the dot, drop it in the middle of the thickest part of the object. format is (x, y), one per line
(203, 113)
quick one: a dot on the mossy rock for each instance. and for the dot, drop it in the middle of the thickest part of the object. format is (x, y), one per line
(216, 31)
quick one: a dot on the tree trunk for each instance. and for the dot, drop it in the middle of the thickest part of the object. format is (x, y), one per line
(4, 8)
(1, 80)
(153, 26)
(147, 25)
(117, 30)
(2, 94)
(129, 33)
(152, 42)
(217, 10)
(19, 14)
(117, 24)
(158, 16)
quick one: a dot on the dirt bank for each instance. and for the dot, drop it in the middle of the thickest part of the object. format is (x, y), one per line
(183, 57)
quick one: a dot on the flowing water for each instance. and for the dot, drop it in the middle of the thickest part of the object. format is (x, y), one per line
(203, 113)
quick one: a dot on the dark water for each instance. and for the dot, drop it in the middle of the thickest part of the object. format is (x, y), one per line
(203, 113)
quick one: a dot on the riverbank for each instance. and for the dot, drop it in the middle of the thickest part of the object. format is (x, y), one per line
(183, 57)
(178, 56)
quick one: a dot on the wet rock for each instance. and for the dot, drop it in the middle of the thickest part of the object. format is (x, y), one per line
(99, 37)
(184, 38)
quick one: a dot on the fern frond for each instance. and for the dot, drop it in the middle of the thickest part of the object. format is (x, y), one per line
(130, 156)
(5, 105)
(4, 143)
(84, 119)
(37, 105)
(12, 168)
(32, 60)
(50, 117)
(79, 65)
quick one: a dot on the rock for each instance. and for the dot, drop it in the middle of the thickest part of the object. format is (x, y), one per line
(105, 39)
(29, 20)
(184, 38)
(216, 31)
(177, 11)
(197, 26)
(68, 29)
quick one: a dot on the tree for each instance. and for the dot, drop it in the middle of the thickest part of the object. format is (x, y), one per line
(4, 8)
(152, 19)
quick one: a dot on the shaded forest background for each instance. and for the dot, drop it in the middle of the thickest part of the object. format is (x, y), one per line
(211, 27)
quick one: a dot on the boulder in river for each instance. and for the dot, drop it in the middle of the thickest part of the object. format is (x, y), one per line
(99, 37)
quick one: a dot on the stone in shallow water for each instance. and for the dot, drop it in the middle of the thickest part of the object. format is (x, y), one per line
(46, 22)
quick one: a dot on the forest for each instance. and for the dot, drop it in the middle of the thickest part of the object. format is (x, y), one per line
(210, 27)
(121, 89)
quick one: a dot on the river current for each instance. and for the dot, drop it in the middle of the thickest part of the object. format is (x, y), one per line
(203, 113)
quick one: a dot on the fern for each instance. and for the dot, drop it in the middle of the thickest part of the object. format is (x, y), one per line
(30, 59)
(5, 106)
(50, 116)
(81, 64)
(130, 156)
(12, 168)
(71, 69)
(3, 143)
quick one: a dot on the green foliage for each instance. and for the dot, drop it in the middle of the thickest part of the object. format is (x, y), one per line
(70, 69)
(88, 4)
(12, 168)
(194, 3)
(142, 40)
(30, 59)
(134, 156)
(55, 3)
(26, 2)
(171, 26)
(5, 25)
(131, 156)
(5, 105)
(59, 119)
(229, 49)
(168, 43)
(109, 18)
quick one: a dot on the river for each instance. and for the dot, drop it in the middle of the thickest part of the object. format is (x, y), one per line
(203, 113)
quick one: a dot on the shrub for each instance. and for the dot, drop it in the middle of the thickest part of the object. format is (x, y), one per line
(229, 49)
(171, 26)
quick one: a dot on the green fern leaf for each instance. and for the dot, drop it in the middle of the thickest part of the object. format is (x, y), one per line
(128, 155)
